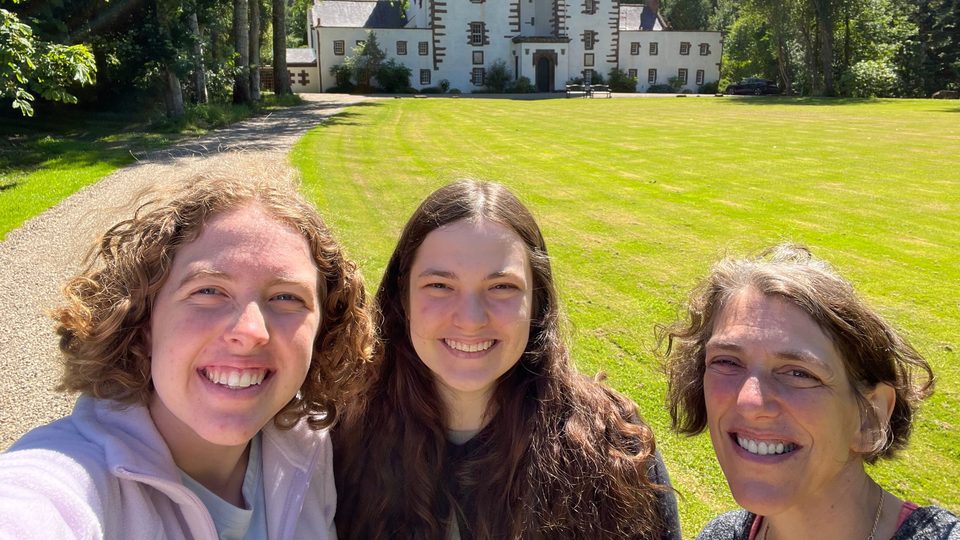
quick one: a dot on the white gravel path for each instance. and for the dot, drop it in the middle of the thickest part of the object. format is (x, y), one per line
(36, 258)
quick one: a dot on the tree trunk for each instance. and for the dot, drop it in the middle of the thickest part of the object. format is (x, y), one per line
(199, 77)
(241, 42)
(255, 50)
(825, 39)
(281, 79)
(172, 94)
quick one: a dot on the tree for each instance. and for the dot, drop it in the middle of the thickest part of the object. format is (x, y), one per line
(29, 66)
(199, 74)
(281, 79)
(364, 62)
(255, 50)
(241, 43)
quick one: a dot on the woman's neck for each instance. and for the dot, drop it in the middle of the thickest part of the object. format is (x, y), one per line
(847, 512)
(465, 411)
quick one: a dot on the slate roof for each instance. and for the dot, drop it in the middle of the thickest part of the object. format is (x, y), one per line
(638, 17)
(301, 56)
(359, 14)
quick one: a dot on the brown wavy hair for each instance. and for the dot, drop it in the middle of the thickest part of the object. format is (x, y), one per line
(104, 323)
(872, 350)
(561, 456)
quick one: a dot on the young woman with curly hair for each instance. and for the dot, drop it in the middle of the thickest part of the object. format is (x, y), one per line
(799, 383)
(212, 337)
(474, 422)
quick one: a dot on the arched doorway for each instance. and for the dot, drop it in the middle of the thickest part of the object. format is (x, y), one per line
(544, 63)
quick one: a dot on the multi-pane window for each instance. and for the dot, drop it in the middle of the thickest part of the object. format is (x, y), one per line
(424, 76)
(401, 48)
(700, 75)
(589, 39)
(634, 48)
(477, 76)
(588, 60)
(652, 76)
(423, 48)
(476, 33)
(338, 47)
(590, 6)
(632, 73)
(682, 75)
(654, 48)
(704, 49)
(684, 48)
(478, 58)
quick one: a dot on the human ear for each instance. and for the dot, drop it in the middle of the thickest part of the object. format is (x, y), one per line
(873, 427)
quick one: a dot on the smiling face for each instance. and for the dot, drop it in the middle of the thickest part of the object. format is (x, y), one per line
(232, 330)
(470, 302)
(782, 415)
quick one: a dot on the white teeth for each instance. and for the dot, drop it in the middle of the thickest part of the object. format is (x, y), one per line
(469, 347)
(233, 378)
(763, 448)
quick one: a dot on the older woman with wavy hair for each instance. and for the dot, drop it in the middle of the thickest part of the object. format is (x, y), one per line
(474, 422)
(799, 383)
(212, 337)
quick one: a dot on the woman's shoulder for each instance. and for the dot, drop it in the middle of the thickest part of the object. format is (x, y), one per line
(929, 523)
(734, 525)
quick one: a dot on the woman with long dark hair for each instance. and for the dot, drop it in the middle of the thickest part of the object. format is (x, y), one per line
(474, 422)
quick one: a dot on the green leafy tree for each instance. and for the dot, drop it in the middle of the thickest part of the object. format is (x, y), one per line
(31, 66)
(364, 62)
(497, 77)
(393, 76)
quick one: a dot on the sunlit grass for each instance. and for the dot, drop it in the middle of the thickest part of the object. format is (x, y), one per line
(637, 197)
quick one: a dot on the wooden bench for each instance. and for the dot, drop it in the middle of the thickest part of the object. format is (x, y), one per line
(577, 90)
(600, 89)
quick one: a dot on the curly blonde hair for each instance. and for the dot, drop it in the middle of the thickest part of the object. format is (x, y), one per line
(103, 326)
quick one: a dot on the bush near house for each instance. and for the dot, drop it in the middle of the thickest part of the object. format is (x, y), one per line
(393, 77)
(497, 78)
(619, 81)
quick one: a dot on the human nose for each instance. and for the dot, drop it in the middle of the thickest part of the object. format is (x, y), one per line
(471, 312)
(756, 397)
(250, 327)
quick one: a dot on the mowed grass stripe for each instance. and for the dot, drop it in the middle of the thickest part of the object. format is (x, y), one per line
(637, 197)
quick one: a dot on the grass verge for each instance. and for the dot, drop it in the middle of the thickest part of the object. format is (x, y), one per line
(637, 197)
(47, 158)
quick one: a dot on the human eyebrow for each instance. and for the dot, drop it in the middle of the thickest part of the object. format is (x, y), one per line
(202, 273)
(803, 357)
(431, 272)
(723, 345)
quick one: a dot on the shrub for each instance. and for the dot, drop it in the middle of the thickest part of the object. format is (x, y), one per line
(497, 77)
(661, 89)
(455, 91)
(444, 85)
(620, 82)
(364, 62)
(393, 76)
(709, 88)
(431, 90)
(523, 85)
(869, 78)
(674, 83)
(342, 74)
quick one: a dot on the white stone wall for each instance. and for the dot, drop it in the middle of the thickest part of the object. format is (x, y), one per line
(600, 21)
(668, 59)
(387, 38)
(457, 66)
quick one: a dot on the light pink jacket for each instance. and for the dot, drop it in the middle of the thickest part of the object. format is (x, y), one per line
(104, 472)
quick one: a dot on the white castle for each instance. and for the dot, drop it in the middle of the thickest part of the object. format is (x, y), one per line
(548, 41)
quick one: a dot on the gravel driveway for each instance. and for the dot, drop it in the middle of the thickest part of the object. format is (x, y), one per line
(36, 258)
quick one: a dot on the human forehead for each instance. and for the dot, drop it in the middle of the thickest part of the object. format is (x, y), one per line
(472, 246)
(240, 235)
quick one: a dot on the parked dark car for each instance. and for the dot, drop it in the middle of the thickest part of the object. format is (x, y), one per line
(753, 86)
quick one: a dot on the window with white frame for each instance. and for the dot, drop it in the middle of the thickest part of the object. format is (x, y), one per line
(632, 73)
(684, 48)
(682, 75)
(477, 76)
(654, 48)
(704, 49)
(478, 58)
(588, 60)
(338, 47)
(590, 6)
(652, 76)
(423, 48)
(424, 76)
(700, 76)
(634, 48)
(401, 48)
(476, 33)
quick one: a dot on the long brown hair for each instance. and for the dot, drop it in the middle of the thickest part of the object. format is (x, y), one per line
(561, 456)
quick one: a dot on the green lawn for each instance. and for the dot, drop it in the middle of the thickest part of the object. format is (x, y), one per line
(638, 196)
(46, 158)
